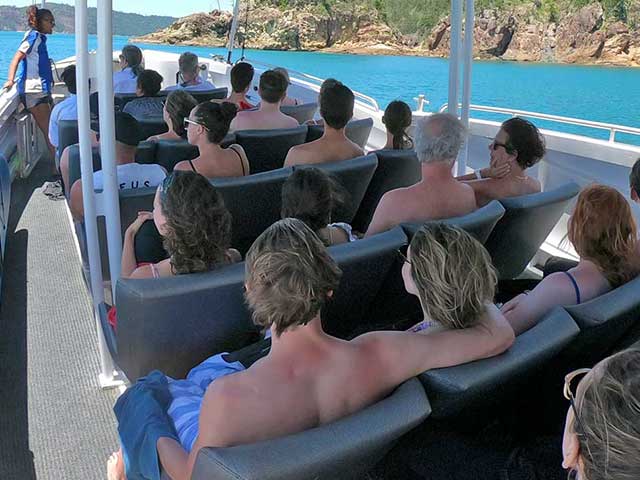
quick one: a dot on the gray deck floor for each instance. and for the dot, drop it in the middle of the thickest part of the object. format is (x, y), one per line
(55, 422)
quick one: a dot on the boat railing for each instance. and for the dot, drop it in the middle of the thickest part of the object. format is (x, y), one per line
(369, 101)
(612, 128)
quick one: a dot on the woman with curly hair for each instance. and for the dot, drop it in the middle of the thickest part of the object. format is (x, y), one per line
(194, 223)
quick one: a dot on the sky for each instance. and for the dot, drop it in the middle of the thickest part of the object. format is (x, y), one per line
(147, 7)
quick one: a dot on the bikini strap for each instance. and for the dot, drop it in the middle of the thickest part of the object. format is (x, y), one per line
(193, 167)
(240, 157)
(154, 270)
(575, 286)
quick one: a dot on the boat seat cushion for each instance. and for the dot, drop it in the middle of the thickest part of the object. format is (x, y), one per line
(302, 113)
(356, 130)
(267, 149)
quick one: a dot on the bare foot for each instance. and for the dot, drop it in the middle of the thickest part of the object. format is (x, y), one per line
(115, 466)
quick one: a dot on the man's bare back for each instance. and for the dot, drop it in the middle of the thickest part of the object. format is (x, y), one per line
(324, 150)
(262, 120)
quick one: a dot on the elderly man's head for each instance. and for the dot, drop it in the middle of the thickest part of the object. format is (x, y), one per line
(438, 138)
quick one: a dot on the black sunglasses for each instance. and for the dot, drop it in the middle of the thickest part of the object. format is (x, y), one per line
(404, 258)
(569, 395)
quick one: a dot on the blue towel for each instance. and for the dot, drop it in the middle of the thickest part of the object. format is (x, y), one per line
(142, 419)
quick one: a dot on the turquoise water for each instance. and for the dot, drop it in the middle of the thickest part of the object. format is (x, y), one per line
(594, 93)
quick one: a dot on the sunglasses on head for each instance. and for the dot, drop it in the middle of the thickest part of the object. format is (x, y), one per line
(570, 395)
(188, 121)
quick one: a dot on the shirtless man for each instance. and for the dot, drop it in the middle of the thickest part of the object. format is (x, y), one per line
(336, 108)
(241, 78)
(517, 146)
(438, 139)
(272, 89)
(310, 378)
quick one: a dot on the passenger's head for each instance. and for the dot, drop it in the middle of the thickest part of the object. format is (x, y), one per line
(602, 435)
(241, 77)
(336, 103)
(284, 73)
(149, 83)
(310, 195)
(131, 56)
(289, 276)
(273, 86)
(127, 128)
(634, 181)
(211, 121)
(188, 66)
(518, 140)
(69, 78)
(451, 273)
(438, 138)
(40, 19)
(196, 226)
(177, 107)
(397, 118)
(602, 229)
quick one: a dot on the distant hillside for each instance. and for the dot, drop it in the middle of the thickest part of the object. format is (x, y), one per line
(127, 24)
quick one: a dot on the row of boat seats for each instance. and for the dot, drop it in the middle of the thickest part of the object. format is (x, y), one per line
(121, 99)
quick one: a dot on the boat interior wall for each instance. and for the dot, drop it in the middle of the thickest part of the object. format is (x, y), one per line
(5, 203)
(344, 449)
(356, 130)
(31, 145)
(465, 391)
(396, 169)
(527, 222)
(262, 159)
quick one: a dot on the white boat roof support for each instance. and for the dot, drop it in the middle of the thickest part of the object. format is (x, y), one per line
(467, 59)
(234, 30)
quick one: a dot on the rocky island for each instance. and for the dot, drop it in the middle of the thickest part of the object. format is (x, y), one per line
(603, 32)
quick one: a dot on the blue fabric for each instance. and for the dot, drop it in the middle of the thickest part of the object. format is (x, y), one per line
(142, 419)
(575, 286)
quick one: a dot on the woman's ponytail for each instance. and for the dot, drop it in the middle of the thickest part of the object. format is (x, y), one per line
(32, 17)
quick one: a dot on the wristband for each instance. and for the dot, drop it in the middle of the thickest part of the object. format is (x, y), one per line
(478, 174)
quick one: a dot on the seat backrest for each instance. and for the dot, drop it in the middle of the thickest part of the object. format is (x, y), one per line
(356, 130)
(151, 126)
(206, 95)
(365, 264)
(170, 153)
(302, 113)
(67, 134)
(605, 320)
(354, 175)
(267, 149)
(344, 449)
(254, 202)
(479, 223)
(174, 323)
(474, 386)
(527, 222)
(396, 169)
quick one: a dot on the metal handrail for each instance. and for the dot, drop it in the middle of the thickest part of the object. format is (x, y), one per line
(612, 128)
(371, 101)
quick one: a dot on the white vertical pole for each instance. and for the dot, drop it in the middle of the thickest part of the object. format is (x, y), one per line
(110, 197)
(466, 80)
(234, 29)
(454, 56)
(88, 199)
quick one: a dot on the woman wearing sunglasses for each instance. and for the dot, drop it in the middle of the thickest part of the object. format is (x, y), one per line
(206, 127)
(517, 146)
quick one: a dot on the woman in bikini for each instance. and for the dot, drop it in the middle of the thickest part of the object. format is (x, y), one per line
(206, 127)
(603, 232)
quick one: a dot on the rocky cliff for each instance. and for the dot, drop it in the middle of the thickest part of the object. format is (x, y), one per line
(585, 35)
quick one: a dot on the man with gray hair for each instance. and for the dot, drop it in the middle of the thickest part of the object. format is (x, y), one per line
(189, 72)
(438, 139)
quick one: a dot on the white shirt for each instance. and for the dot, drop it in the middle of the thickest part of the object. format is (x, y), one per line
(133, 175)
(65, 110)
(125, 81)
(201, 86)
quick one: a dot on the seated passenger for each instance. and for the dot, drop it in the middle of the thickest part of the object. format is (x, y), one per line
(272, 89)
(189, 73)
(130, 174)
(148, 104)
(190, 215)
(517, 146)
(241, 78)
(438, 139)
(603, 232)
(601, 436)
(126, 80)
(177, 107)
(310, 195)
(310, 378)
(634, 181)
(336, 108)
(66, 109)
(287, 101)
(397, 118)
(206, 127)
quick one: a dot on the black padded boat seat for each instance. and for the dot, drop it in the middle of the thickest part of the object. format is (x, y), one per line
(344, 449)
(302, 113)
(151, 126)
(170, 153)
(67, 134)
(527, 222)
(473, 386)
(174, 323)
(356, 130)
(365, 264)
(396, 169)
(479, 224)
(204, 95)
(267, 149)
(354, 175)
